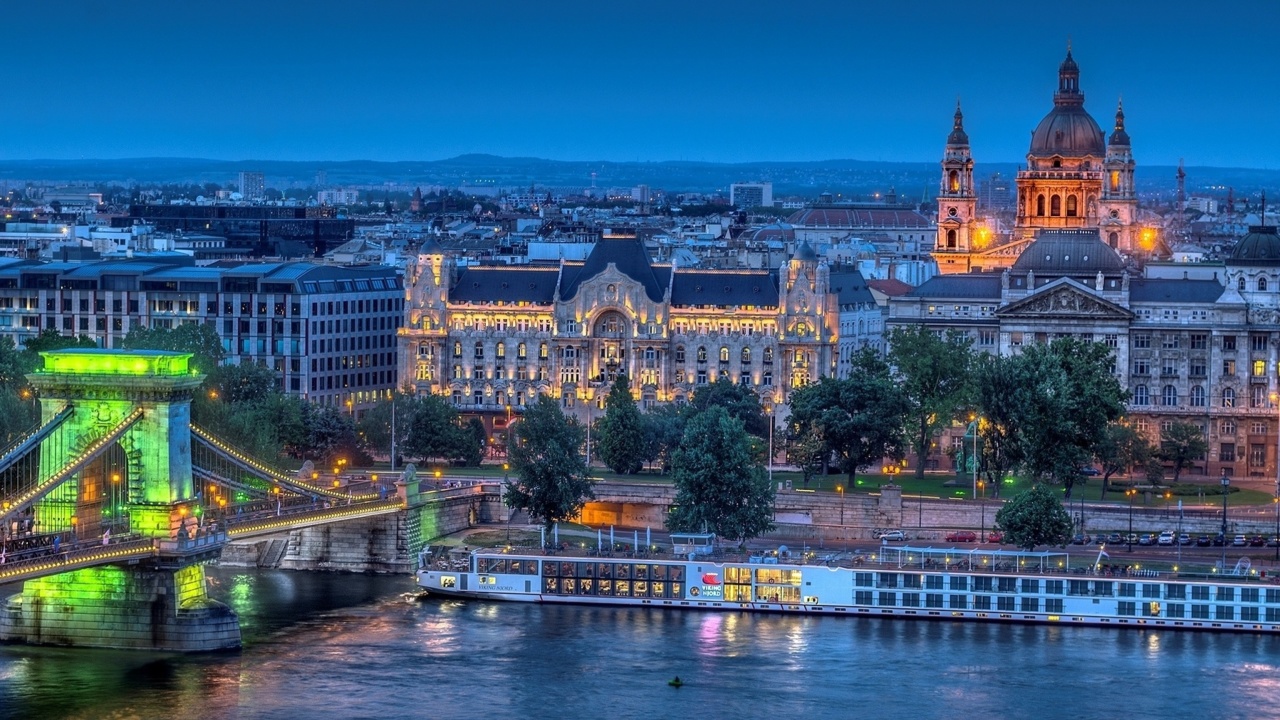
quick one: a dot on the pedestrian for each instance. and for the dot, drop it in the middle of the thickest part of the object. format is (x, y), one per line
(106, 536)
(57, 544)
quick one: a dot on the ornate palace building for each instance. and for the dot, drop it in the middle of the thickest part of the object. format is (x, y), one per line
(492, 338)
(1192, 343)
(1075, 178)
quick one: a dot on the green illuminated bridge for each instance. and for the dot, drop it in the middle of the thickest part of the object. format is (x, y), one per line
(110, 507)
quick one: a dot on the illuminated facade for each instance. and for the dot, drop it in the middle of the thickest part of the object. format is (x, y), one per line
(1074, 178)
(493, 338)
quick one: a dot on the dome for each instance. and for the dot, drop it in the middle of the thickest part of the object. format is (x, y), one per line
(958, 136)
(1119, 136)
(806, 253)
(1056, 253)
(1260, 247)
(1069, 131)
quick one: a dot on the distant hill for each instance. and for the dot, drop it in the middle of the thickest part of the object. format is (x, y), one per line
(849, 178)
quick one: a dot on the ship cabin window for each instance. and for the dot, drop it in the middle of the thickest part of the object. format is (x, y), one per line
(609, 579)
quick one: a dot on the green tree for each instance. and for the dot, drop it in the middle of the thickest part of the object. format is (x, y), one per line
(551, 481)
(249, 382)
(998, 389)
(739, 401)
(807, 450)
(50, 339)
(1153, 470)
(933, 373)
(621, 431)
(859, 419)
(1121, 448)
(199, 339)
(432, 429)
(471, 440)
(1071, 398)
(1182, 444)
(720, 488)
(663, 428)
(1036, 517)
(375, 425)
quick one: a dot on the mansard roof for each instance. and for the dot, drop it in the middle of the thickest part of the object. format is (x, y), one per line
(851, 288)
(628, 255)
(973, 286)
(1174, 290)
(483, 285)
(725, 288)
(834, 217)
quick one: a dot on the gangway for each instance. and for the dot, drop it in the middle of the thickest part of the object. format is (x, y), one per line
(32, 439)
(78, 463)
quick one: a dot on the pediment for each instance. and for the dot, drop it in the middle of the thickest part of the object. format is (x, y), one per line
(1066, 300)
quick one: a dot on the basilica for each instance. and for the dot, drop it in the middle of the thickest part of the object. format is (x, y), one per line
(1075, 177)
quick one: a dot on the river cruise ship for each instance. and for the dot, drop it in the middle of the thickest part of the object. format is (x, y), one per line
(893, 582)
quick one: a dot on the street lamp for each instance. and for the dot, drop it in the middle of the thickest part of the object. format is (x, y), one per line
(840, 489)
(1276, 501)
(1226, 487)
(983, 505)
(1130, 492)
(510, 510)
(973, 458)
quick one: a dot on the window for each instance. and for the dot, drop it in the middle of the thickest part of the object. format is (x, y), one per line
(1111, 341)
(1262, 284)
(1240, 285)
(1169, 342)
(1228, 342)
(1197, 396)
(1140, 396)
(479, 351)
(1198, 369)
(724, 354)
(501, 351)
(1258, 427)
(702, 354)
(1258, 342)
(1227, 427)
(1258, 396)
(1257, 456)
(1142, 341)
(457, 349)
(1169, 396)
(1071, 206)
(1199, 341)
(521, 352)
(1227, 452)
(1055, 205)
(1141, 367)
(1040, 205)
(1228, 367)
(679, 353)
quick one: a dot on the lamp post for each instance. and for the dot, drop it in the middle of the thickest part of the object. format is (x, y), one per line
(510, 510)
(1129, 539)
(1226, 487)
(770, 470)
(973, 457)
(982, 527)
(1276, 501)
(840, 489)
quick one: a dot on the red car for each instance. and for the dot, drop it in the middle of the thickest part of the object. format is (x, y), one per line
(995, 536)
(962, 536)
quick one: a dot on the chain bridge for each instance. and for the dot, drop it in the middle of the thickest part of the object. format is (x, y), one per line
(111, 505)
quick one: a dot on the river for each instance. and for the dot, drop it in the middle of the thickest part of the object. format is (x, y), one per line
(352, 646)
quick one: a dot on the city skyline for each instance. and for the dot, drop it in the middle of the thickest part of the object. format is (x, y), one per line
(719, 84)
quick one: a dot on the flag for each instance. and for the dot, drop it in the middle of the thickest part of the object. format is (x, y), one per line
(1103, 553)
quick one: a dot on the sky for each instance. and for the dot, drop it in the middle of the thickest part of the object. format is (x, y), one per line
(647, 80)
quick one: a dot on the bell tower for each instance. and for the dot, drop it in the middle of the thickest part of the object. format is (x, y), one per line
(957, 202)
(1119, 197)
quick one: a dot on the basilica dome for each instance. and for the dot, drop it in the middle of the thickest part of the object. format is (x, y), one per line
(1068, 130)
(1056, 253)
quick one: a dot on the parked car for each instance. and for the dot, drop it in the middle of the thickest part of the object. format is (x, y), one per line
(1184, 539)
(1132, 539)
(1166, 538)
(1274, 541)
(1081, 539)
(1219, 540)
(1146, 539)
(1257, 541)
(1239, 541)
(995, 536)
(1203, 541)
(1090, 471)
(1115, 538)
(893, 535)
(962, 536)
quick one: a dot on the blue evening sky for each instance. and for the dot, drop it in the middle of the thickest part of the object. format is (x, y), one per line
(642, 80)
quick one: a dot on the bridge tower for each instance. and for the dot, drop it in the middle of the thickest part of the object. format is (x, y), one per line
(123, 451)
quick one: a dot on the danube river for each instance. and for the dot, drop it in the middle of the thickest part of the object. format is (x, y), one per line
(350, 646)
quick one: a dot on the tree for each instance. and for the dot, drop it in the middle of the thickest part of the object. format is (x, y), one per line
(1121, 448)
(719, 487)
(432, 428)
(739, 401)
(50, 339)
(551, 474)
(470, 443)
(859, 419)
(933, 373)
(807, 450)
(663, 429)
(621, 431)
(1182, 444)
(249, 382)
(375, 425)
(199, 339)
(1071, 397)
(998, 389)
(1036, 517)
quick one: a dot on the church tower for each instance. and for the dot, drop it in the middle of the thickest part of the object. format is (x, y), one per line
(957, 202)
(1119, 198)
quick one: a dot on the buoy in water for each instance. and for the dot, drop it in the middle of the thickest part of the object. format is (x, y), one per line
(675, 682)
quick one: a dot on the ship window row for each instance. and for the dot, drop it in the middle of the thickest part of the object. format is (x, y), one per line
(957, 602)
(504, 566)
(1037, 586)
(608, 587)
(606, 570)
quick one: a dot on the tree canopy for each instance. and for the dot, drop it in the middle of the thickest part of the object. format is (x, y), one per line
(739, 401)
(1036, 517)
(933, 373)
(720, 488)
(1121, 448)
(551, 474)
(621, 431)
(1181, 444)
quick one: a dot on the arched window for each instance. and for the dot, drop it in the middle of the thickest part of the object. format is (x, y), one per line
(951, 239)
(1140, 396)
(457, 372)
(679, 353)
(1055, 205)
(424, 349)
(724, 354)
(953, 181)
(1240, 284)
(1071, 206)
(457, 349)
(1114, 240)
(1040, 205)
(542, 351)
(1228, 397)
(746, 356)
(1197, 396)
(1262, 284)
(1115, 180)
(501, 351)
(702, 354)
(521, 352)
(1169, 398)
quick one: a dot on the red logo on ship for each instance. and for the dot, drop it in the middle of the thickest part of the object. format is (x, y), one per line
(710, 578)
